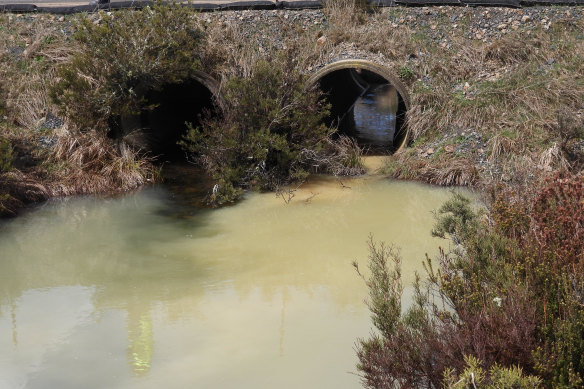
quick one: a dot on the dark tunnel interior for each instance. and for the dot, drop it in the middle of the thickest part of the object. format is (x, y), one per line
(158, 130)
(365, 106)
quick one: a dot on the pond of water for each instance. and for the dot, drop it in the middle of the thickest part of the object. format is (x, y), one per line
(147, 291)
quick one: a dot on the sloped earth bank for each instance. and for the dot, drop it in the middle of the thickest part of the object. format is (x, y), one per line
(497, 94)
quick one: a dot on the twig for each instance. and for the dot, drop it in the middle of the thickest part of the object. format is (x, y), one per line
(286, 195)
(342, 184)
(309, 199)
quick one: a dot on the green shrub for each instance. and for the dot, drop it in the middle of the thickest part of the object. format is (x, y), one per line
(474, 376)
(124, 55)
(468, 313)
(555, 268)
(269, 123)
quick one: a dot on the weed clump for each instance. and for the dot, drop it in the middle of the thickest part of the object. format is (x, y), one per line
(269, 123)
(504, 306)
(346, 13)
(474, 375)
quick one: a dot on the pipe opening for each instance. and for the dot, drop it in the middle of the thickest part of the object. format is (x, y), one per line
(157, 130)
(366, 106)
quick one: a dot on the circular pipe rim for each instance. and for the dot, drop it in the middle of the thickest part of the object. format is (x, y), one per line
(373, 67)
(212, 86)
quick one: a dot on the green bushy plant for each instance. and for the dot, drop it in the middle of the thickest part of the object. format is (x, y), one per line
(461, 309)
(123, 55)
(269, 122)
(475, 376)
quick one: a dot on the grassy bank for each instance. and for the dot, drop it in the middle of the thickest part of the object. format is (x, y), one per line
(496, 93)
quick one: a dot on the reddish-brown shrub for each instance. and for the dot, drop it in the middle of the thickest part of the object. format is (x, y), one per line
(558, 222)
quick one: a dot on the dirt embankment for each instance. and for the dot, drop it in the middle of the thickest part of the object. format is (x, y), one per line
(497, 95)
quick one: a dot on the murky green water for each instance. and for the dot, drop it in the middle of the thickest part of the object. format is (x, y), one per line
(144, 291)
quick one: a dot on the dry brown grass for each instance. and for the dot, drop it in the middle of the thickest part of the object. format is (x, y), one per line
(553, 159)
(457, 172)
(30, 53)
(515, 84)
(340, 157)
(501, 145)
(18, 189)
(344, 13)
(442, 172)
(91, 163)
(29, 104)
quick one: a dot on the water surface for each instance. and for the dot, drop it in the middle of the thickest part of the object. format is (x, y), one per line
(145, 291)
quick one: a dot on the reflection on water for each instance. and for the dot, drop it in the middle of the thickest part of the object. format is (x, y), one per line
(375, 116)
(141, 342)
(143, 291)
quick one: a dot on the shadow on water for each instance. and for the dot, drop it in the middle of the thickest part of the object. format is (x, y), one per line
(188, 188)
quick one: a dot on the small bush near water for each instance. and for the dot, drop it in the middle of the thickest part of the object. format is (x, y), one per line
(124, 55)
(271, 133)
(504, 308)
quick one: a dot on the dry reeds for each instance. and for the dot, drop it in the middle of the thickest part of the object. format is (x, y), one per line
(92, 163)
(501, 146)
(344, 13)
(18, 189)
(553, 158)
(458, 172)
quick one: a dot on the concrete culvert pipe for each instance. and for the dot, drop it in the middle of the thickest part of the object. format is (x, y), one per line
(158, 129)
(368, 103)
